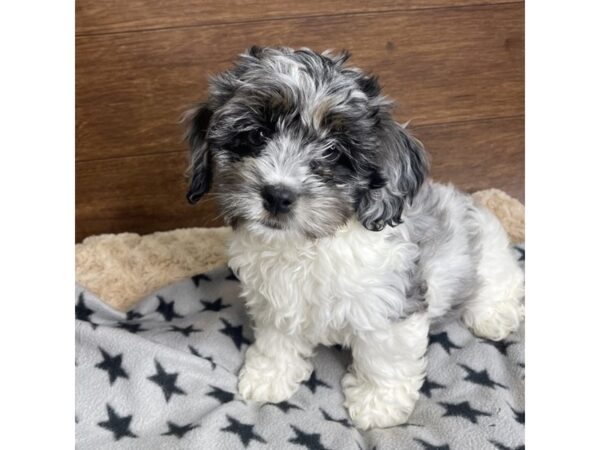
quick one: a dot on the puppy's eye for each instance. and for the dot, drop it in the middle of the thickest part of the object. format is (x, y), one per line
(256, 137)
(331, 153)
(337, 155)
(344, 161)
(248, 143)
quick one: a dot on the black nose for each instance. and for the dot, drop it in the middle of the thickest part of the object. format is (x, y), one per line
(277, 199)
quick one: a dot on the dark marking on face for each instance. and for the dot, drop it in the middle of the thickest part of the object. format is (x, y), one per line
(248, 143)
(307, 122)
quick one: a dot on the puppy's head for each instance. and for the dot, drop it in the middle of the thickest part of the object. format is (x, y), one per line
(294, 140)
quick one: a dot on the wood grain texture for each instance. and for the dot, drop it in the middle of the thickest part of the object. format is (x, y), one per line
(442, 65)
(138, 194)
(479, 154)
(102, 16)
(144, 194)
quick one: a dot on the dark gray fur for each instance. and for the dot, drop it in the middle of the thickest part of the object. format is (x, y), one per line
(361, 160)
(330, 133)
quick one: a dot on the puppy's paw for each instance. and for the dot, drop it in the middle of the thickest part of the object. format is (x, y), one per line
(373, 406)
(498, 322)
(265, 380)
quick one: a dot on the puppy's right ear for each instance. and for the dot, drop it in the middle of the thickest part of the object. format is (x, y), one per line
(200, 170)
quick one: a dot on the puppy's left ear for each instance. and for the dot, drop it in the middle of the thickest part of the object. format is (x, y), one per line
(200, 171)
(402, 163)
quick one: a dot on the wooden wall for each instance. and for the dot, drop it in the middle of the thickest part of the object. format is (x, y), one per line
(456, 68)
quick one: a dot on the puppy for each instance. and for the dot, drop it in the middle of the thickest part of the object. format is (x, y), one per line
(339, 235)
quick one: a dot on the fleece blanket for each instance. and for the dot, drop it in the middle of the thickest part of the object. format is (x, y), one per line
(164, 376)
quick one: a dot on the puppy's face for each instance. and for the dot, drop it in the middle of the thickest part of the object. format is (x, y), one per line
(295, 141)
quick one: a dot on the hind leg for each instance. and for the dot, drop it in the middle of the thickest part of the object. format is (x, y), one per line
(497, 309)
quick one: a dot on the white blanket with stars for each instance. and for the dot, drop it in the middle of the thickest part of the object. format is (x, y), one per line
(164, 375)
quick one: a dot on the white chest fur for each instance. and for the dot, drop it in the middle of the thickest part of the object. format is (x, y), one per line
(323, 288)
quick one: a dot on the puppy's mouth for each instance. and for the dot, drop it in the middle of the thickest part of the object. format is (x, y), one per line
(273, 223)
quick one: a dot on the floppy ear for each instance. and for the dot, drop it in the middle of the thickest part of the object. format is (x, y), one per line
(200, 171)
(221, 88)
(402, 163)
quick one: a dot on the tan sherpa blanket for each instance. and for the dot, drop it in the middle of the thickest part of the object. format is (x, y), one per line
(123, 268)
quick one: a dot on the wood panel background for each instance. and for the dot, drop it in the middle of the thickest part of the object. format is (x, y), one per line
(455, 67)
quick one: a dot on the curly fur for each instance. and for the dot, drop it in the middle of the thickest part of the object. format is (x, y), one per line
(370, 251)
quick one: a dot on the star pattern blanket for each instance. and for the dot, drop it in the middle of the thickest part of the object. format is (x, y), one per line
(164, 376)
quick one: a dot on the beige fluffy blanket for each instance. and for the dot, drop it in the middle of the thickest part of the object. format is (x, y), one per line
(123, 268)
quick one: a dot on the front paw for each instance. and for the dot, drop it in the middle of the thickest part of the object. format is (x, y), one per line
(265, 380)
(373, 406)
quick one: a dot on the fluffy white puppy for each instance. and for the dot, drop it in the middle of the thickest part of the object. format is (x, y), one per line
(339, 236)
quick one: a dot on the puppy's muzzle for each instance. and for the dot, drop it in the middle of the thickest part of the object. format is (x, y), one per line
(277, 199)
